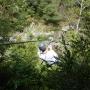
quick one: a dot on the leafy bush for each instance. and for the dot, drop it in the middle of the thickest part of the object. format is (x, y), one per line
(21, 68)
(73, 72)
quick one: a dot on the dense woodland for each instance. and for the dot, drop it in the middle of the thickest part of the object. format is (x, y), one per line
(20, 66)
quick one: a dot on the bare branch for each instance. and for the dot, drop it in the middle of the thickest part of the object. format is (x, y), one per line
(10, 43)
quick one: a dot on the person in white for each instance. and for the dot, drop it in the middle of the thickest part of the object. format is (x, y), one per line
(47, 54)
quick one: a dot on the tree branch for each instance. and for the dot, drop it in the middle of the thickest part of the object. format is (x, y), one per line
(10, 43)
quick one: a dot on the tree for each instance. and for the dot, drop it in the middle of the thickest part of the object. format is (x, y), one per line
(21, 68)
(47, 9)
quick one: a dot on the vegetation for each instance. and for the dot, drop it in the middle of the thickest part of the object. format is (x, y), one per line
(20, 66)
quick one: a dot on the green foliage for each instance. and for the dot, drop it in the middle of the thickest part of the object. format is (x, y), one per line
(22, 68)
(74, 68)
(47, 9)
(13, 15)
(42, 37)
(5, 26)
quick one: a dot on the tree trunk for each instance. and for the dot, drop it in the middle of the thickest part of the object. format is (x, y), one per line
(81, 9)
